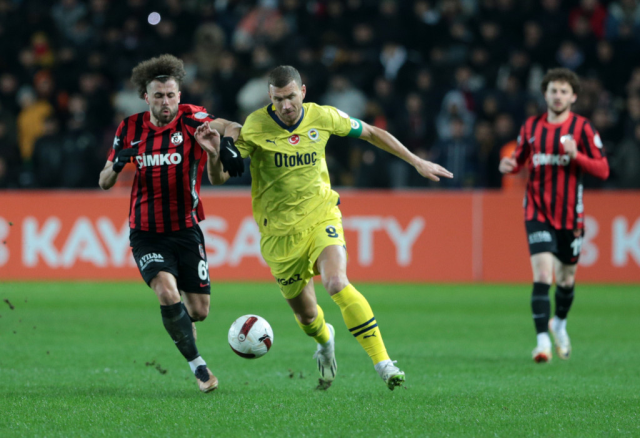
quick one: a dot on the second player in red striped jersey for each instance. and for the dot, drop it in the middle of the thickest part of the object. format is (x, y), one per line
(554, 190)
(557, 147)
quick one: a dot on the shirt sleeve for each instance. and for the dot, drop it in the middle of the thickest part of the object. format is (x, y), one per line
(340, 123)
(245, 147)
(591, 156)
(523, 149)
(196, 119)
(591, 143)
(118, 142)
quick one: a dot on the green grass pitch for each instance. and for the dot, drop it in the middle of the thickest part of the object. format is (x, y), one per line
(93, 359)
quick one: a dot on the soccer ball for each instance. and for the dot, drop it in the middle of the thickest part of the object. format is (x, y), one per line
(250, 336)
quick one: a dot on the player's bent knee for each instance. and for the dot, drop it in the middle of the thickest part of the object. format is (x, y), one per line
(166, 295)
(543, 277)
(307, 318)
(199, 314)
(546, 279)
(335, 283)
(566, 283)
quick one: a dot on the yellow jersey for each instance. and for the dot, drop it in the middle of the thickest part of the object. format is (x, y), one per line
(290, 186)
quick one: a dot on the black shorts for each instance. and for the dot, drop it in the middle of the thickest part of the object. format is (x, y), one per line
(180, 253)
(564, 244)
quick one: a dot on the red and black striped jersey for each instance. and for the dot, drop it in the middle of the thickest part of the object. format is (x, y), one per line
(165, 195)
(554, 189)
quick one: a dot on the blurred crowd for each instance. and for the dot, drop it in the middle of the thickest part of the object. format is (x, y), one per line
(451, 79)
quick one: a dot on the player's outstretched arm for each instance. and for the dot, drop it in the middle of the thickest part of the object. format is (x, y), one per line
(109, 175)
(387, 142)
(508, 165)
(226, 128)
(230, 157)
(597, 166)
(209, 139)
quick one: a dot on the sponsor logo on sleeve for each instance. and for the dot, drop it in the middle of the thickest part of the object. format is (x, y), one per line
(597, 141)
(116, 142)
(343, 114)
(355, 124)
(201, 115)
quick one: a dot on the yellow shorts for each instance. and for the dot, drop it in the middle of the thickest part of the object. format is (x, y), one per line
(292, 258)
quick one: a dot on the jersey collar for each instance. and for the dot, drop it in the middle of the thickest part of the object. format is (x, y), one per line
(275, 118)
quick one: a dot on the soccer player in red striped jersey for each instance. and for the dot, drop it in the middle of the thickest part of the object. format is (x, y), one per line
(165, 207)
(558, 147)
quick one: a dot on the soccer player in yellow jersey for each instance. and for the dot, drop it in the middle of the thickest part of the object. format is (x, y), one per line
(298, 215)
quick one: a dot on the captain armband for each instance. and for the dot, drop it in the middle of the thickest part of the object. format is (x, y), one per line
(356, 128)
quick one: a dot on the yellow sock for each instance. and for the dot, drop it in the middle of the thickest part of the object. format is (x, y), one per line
(358, 317)
(318, 330)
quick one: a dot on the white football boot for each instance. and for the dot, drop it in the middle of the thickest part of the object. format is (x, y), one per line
(390, 373)
(326, 358)
(558, 329)
(542, 352)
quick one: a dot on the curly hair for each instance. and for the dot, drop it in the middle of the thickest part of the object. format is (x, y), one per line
(561, 75)
(161, 68)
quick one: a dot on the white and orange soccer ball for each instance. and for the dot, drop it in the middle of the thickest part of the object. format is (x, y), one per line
(250, 336)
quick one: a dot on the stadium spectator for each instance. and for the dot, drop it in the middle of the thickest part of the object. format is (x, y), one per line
(31, 120)
(458, 154)
(593, 13)
(454, 105)
(554, 19)
(342, 94)
(631, 118)
(48, 157)
(66, 13)
(417, 134)
(9, 156)
(622, 11)
(626, 161)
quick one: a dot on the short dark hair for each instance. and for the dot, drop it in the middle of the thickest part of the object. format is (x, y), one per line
(161, 68)
(561, 75)
(283, 75)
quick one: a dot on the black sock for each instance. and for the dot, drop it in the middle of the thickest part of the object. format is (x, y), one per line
(541, 306)
(564, 298)
(178, 324)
